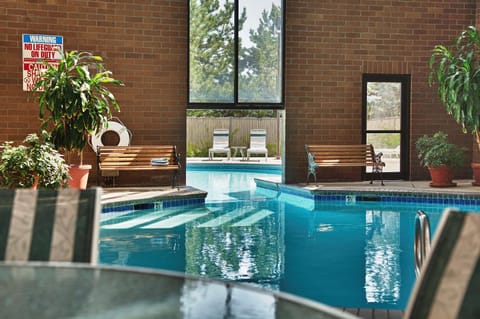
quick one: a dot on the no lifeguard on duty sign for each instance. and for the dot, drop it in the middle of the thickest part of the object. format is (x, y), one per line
(38, 48)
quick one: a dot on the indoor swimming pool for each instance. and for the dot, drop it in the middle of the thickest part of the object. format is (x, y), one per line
(352, 254)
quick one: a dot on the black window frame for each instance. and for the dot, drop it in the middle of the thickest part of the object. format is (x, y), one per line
(405, 80)
(235, 105)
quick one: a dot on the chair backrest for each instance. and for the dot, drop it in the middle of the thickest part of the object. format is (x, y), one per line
(221, 138)
(449, 282)
(258, 138)
(49, 225)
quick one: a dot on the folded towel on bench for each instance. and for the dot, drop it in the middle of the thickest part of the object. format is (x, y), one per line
(159, 161)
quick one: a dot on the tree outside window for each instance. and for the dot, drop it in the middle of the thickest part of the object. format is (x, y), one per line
(236, 55)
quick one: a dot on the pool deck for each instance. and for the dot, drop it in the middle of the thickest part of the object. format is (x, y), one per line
(464, 187)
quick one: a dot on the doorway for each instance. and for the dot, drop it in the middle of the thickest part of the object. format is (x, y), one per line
(386, 105)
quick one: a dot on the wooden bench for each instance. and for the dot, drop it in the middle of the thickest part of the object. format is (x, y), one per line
(112, 159)
(362, 155)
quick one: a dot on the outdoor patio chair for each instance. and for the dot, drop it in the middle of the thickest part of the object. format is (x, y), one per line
(258, 143)
(220, 143)
(49, 225)
(449, 282)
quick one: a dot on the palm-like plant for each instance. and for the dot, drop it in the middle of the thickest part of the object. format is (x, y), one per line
(456, 70)
(74, 102)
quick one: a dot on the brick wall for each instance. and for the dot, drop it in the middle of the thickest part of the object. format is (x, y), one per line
(329, 44)
(144, 43)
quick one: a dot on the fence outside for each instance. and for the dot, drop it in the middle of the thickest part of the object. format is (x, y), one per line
(200, 132)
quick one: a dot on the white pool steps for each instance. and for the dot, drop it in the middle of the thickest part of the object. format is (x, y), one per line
(165, 220)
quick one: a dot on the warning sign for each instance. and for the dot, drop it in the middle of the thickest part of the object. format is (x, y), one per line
(37, 49)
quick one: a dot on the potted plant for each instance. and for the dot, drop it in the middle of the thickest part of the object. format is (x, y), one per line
(75, 103)
(35, 163)
(440, 157)
(456, 70)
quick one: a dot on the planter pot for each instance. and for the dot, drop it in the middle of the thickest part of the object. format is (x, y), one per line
(476, 174)
(79, 176)
(442, 176)
(35, 182)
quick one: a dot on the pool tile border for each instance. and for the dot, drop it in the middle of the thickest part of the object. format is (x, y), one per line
(374, 195)
(316, 195)
(153, 204)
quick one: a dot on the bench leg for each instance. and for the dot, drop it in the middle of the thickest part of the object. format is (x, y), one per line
(175, 181)
(377, 172)
(314, 177)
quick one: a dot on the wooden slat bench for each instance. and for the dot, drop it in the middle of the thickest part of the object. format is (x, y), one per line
(362, 155)
(137, 158)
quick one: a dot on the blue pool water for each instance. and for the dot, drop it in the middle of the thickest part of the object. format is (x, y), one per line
(355, 255)
(224, 184)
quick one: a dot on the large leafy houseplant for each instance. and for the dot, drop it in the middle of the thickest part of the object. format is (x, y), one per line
(440, 156)
(75, 101)
(456, 70)
(36, 162)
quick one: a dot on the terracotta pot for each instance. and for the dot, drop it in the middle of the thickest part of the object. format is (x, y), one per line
(79, 176)
(36, 180)
(442, 176)
(476, 174)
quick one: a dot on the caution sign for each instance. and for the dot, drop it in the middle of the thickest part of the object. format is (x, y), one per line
(37, 49)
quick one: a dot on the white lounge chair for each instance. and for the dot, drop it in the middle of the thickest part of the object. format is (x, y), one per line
(258, 143)
(220, 143)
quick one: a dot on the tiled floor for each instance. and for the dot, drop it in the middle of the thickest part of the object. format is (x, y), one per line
(374, 313)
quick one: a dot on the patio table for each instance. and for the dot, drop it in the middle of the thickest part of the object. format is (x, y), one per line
(241, 149)
(67, 290)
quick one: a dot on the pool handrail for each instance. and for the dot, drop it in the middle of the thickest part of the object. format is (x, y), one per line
(421, 246)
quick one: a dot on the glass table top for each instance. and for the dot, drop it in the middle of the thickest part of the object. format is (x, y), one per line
(58, 290)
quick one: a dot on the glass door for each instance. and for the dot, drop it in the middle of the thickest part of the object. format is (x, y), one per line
(386, 103)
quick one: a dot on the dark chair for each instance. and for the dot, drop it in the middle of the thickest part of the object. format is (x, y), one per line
(449, 282)
(49, 225)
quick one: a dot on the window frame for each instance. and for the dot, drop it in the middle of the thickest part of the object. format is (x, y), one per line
(236, 105)
(405, 81)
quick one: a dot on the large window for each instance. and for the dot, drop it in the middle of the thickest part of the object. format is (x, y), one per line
(236, 54)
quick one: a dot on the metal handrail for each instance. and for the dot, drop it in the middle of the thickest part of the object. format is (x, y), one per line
(421, 245)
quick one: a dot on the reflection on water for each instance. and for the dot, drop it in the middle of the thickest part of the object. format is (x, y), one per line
(225, 248)
(356, 255)
(199, 298)
(382, 261)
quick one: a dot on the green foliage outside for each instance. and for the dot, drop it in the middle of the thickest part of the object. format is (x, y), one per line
(272, 149)
(194, 150)
(212, 54)
(232, 113)
(384, 140)
(212, 50)
(383, 100)
(259, 69)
